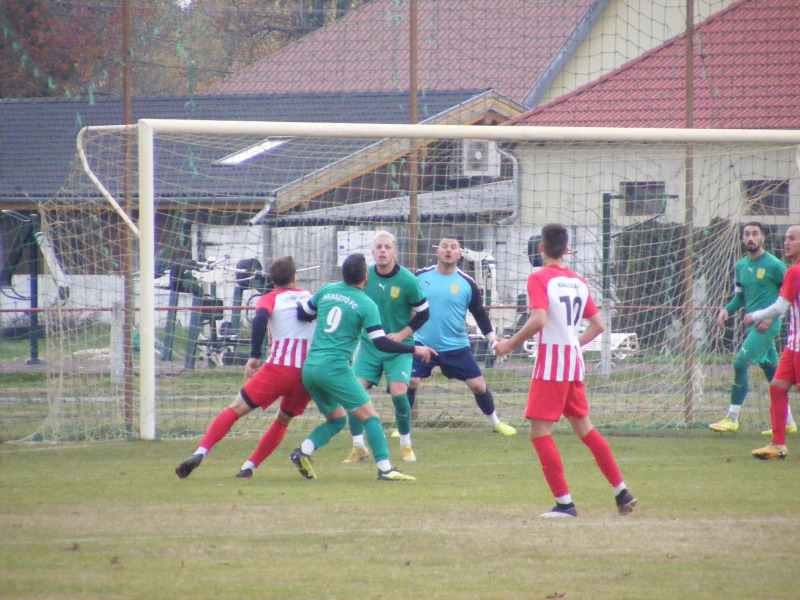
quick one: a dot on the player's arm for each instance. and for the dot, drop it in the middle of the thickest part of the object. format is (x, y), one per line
(383, 343)
(306, 311)
(596, 327)
(420, 316)
(258, 333)
(536, 321)
(776, 309)
(479, 312)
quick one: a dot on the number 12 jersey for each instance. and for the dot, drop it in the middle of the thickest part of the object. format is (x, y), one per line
(564, 296)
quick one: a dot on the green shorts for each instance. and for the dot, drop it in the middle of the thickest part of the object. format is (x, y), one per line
(332, 386)
(759, 348)
(371, 363)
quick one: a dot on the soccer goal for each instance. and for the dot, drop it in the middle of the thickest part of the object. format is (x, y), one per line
(189, 214)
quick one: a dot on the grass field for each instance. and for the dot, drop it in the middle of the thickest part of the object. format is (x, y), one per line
(111, 520)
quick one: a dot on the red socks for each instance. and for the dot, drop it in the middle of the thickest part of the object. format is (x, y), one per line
(778, 407)
(269, 441)
(219, 428)
(552, 467)
(601, 451)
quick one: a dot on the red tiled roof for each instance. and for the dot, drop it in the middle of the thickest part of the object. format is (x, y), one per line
(462, 44)
(746, 76)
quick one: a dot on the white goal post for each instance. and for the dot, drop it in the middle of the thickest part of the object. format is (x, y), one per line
(149, 129)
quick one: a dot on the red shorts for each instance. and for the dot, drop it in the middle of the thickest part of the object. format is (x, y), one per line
(788, 367)
(277, 381)
(548, 400)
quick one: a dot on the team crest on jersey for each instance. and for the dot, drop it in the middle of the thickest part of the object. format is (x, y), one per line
(454, 288)
(760, 273)
(394, 292)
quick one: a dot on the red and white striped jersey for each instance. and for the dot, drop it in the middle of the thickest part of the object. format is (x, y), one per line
(289, 337)
(565, 297)
(790, 289)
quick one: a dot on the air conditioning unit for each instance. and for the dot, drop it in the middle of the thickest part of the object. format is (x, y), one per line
(479, 158)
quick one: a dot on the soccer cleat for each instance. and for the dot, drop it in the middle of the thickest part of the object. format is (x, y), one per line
(395, 433)
(504, 429)
(408, 454)
(726, 425)
(303, 463)
(357, 455)
(789, 429)
(394, 475)
(770, 451)
(190, 464)
(245, 473)
(625, 502)
(560, 511)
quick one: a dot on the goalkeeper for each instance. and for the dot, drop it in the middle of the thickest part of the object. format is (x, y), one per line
(758, 278)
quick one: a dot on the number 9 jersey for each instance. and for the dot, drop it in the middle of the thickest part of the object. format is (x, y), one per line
(564, 296)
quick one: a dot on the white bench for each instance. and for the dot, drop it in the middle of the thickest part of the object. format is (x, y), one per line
(622, 345)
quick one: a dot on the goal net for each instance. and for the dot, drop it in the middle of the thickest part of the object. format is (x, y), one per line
(164, 231)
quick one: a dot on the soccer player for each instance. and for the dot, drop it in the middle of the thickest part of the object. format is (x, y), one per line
(559, 299)
(758, 277)
(451, 293)
(279, 377)
(343, 310)
(788, 372)
(403, 309)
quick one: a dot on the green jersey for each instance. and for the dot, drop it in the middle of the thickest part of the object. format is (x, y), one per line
(397, 295)
(343, 312)
(758, 283)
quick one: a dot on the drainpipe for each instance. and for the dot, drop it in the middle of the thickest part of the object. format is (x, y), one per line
(518, 188)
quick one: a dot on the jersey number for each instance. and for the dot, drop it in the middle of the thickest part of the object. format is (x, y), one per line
(333, 319)
(573, 307)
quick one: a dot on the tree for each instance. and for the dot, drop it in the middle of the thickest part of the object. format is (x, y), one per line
(74, 47)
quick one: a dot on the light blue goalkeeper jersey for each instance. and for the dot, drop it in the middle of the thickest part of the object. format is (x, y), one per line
(449, 299)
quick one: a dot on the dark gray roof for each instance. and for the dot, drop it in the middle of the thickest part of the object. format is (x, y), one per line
(38, 136)
(494, 200)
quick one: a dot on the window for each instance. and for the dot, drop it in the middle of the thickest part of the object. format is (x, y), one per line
(642, 197)
(766, 197)
(246, 154)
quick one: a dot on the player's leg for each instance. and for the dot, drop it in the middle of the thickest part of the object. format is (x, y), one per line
(218, 429)
(786, 377)
(293, 404)
(322, 383)
(398, 374)
(461, 364)
(361, 406)
(576, 409)
(768, 367)
(368, 369)
(739, 391)
(266, 445)
(545, 403)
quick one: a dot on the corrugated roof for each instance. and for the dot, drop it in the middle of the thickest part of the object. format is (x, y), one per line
(746, 76)
(461, 44)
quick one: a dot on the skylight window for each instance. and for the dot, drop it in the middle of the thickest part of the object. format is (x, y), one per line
(241, 156)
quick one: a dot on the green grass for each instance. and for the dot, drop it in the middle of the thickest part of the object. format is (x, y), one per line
(111, 520)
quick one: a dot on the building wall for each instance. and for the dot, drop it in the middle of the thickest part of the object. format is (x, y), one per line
(626, 30)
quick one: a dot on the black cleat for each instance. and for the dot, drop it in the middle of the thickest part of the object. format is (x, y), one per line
(190, 464)
(245, 473)
(303, 463)
(625, 502)
(561, 511)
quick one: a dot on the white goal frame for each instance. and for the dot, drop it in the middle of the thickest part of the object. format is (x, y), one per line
(148, 128)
